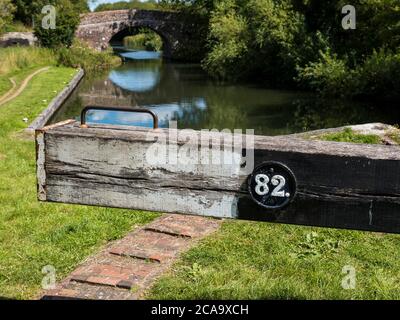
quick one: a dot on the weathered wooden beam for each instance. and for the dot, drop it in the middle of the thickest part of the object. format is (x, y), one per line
(338, 184)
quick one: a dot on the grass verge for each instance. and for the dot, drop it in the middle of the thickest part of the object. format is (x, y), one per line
(16, 59)
(33, 234)
(247, 260)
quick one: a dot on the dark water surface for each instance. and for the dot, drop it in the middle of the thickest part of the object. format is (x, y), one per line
(183, 92)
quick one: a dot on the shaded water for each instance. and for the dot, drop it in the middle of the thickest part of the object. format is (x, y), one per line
(183, 92)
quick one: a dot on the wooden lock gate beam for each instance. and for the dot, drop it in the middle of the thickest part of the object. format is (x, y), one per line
(338, 185)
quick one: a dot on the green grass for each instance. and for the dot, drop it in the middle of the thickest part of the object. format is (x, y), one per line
(5, 85)
(33, 234)
(348, 135)
(247, 260)
(19, 62)
(16, 59)
(18, 77)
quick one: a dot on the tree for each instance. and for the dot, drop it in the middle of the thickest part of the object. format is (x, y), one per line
(27, 9)
(67, 20)
(6, 13)
(122, 5)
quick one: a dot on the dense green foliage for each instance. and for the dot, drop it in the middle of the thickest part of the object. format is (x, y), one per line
(67, 20)
(302, 43)
(262, 37)
(6, 14)
(377, 76)
(144, 39)
(132, 4)
(80, 55)
(27, 9)
(28, 13)
(64, 51)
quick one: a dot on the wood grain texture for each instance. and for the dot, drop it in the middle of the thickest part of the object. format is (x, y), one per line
(339, 185)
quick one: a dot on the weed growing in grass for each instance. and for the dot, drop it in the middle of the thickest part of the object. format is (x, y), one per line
(314, 246)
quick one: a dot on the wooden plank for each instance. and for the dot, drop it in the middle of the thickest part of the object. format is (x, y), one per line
(339, 185)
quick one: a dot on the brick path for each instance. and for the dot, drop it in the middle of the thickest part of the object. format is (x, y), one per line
(126, 268)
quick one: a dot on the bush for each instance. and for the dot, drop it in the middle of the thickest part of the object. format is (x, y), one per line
(145, 39)
(80, 55)
(67, 20)
(379, 75)
(259, 38)
(6, 14)
(228, 40)
(329, 76)
(28, 9)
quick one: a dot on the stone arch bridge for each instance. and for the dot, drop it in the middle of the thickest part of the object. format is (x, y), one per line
(98, 29)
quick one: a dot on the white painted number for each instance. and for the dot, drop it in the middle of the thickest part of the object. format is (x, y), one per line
(262, 184)
(277, 181)
(280, 183)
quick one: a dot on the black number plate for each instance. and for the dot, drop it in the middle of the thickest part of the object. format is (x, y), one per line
(272, 185)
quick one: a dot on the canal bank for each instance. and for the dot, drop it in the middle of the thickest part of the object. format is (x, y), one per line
(34, 235)
(57, 102)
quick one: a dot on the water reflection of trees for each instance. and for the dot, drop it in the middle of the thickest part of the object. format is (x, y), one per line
(313, 114)
(215, 117)
(180, 87)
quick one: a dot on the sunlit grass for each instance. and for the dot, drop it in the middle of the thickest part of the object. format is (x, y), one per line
(248, 260)
(15, 59)
(348, 135)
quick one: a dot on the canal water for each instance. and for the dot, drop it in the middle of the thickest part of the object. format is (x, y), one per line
(184, 93)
